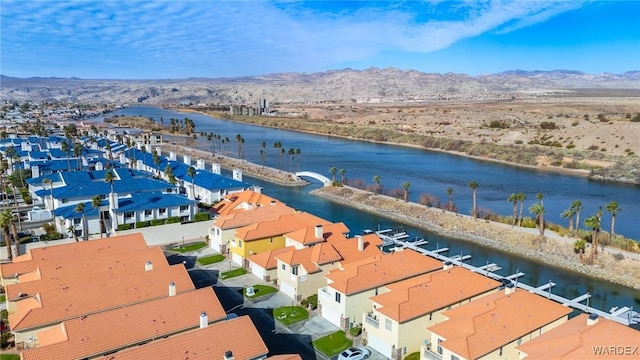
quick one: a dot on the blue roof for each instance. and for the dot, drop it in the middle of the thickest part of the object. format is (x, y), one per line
(90, 183)
(203, 178)
(153, 200)
(57, 153)
(42, 155)
(69, 212)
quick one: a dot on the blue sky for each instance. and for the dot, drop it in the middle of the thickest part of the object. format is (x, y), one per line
(180, 39)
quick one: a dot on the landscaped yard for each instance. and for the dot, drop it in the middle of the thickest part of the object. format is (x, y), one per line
(9, 357)
(211, 259)
(260, 290)
(332, 344)
(290, 314)
(189, 247)
(413, 356)
(2, 298)
(233, 273)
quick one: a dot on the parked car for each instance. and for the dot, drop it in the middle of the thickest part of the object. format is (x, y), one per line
(354, 353)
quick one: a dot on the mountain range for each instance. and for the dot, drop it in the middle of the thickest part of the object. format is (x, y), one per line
(369, 85)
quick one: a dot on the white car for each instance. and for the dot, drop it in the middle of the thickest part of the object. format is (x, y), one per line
(354, 353)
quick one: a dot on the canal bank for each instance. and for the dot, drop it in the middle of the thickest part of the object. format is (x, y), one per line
(551, 249)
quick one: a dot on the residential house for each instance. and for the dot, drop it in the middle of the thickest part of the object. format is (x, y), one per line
(316, 234)
(242, 201)
(48, 308)
(55, 254)
(268, 235)
(346, 297)
(395, 325)
(492, 326)
(265, 265)
(106, 332)
(225, 340)
(583, 337)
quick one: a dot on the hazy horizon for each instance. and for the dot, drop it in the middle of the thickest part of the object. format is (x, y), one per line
(156, 40)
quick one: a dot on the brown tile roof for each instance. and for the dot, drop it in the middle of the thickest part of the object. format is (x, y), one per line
(111, 330)
(277, 227)
(285, 357)
(75, 251)
(242, 201)
(65, 273)
(348, 249)
(423, 294)
(75, 300)
(237, 335)
(330, 232)
(263, 213)
(310, 257)
(267, 259)
(488, 323)
(575, 340)
(380, 270)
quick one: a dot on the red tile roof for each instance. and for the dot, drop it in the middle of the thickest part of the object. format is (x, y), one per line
(278, 227)
(576, 340)
(267, 259)
(115, 329)
(488, 323)
(310, 257)
(242, 201)
(64, 303)
(380, 270)
(237, 335)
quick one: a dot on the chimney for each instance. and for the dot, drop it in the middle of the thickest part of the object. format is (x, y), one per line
(447, 265)
(172, 155)
(510, 288)
(99, 166)
(215, 168)
(200, 164)
(273, 202)
(237, 174)
(159, 150)
(35, 171)
(139, 165)
(148, 266)
(85, 162)
(172, 289)
(123, 159)
(592, 319)
(228, 355)
(204, 320)
(138, 146)
(319, 232)
(360, 243)
(186, 159)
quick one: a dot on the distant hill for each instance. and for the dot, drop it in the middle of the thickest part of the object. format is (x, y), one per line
(372, 84)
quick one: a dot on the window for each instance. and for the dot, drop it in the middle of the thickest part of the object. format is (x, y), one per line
(162, 211)
(217, 231)
(148, 212)
(453, 357)
(76, 221)
(103, 197)
(439, 347)
(64, 201)
(284, 267)
(239, 243)
(184, 207)
(128, 215)
(387, 324)
(338, 297)
(294, 270)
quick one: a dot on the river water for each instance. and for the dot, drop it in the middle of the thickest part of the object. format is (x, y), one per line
(430, 172)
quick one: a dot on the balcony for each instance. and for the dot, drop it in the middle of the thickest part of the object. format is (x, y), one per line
(372, 320)
(430, 355)
(325, 292)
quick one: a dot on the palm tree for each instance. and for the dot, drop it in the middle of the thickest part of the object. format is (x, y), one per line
(613, 208)
(277, 145)
(521, 198)
(191, 172)
(77, 153)
(5, 220)
(72, 229)
(538, 211)
(474, 186)
(85, 228)
(95, 203)
(540, 197)
(65, 148)
(593, 222)
(579, 247)
(292, 152)
(568, 214)
(110, 178)
(342, 172)
(405, 186)
(156, 160)
(333, 171)
(576, 207)
(377, 180)
(450, 194)
(298, 154)
(514, 199)
(239, 140)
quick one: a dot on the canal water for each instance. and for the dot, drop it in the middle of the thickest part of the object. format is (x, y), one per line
(429, 172)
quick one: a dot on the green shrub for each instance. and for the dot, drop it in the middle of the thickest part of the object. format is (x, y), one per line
(142, 224)
(203, 216)
(313, 301)
(548, 125)
(25, 239)
(51, 236)
(173, 220)
(156, 222)
(355, 331)
(124, 227)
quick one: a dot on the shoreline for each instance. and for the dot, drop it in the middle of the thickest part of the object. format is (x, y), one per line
(572, 172)
(551, 250)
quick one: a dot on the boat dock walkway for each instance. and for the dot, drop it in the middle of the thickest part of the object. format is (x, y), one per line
(625, 315)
